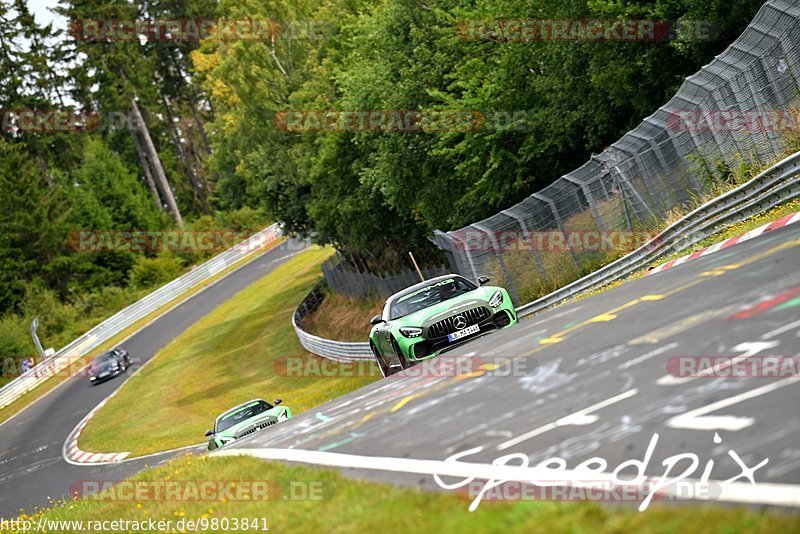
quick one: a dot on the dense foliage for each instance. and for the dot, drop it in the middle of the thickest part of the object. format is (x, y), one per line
(202, 146)
(379, 194)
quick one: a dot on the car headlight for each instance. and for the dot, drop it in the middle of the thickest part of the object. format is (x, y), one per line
(411, 331)
(496, 300)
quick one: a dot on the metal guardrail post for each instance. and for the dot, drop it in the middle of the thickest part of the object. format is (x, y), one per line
(35, 336)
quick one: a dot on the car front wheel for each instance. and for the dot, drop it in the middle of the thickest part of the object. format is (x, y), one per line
(384, 369)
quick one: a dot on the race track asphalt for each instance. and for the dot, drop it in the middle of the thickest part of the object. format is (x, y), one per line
(32, 469)
(587, 379)
(591, 379)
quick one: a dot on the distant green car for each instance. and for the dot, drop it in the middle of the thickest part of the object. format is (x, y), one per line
(244, 420)
(435, 316)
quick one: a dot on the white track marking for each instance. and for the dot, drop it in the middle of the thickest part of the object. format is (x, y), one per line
(698, 420)
(647, 356)
(781, 330)
(740, 492)
(581, 417)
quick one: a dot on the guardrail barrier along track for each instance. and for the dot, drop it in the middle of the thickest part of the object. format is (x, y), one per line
(80, 347)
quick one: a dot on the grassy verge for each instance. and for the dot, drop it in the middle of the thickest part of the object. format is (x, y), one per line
(732, 230)
(343, 318)
(721, 234)
(237, 352)
(51, 383)
(343, 505)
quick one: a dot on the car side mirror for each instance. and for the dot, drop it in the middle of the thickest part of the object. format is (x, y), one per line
(376, 320)
(483, 280)
(278, 401)
(209, 433)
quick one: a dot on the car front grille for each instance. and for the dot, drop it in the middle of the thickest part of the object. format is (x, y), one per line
(447, 326)
(255, 428)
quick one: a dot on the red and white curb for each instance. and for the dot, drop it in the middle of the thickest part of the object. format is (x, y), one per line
(774, 225)
(73, 454)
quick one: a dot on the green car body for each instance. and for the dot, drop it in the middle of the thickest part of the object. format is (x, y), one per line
(435, 316)
(246, 419)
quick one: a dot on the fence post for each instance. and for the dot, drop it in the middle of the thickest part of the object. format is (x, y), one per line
(499, 255)
(559, 222)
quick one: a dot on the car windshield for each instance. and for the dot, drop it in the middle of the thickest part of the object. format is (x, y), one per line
(429, 295)
(103, 359)
(242, 414)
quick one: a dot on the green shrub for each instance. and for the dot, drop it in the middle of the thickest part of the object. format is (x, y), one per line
(15, 337)
(152, 272)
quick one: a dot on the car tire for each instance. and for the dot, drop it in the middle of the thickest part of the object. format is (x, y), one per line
(399, 355)
(382, 367)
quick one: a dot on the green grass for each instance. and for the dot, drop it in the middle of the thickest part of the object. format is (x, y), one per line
(51, 382)
(732, 230)
(344, 505)
(234, 354)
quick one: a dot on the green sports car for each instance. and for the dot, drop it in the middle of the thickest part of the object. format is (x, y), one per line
(244, 420)
(435, 316)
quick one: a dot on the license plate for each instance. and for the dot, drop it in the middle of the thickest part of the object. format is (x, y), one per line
(468, 331)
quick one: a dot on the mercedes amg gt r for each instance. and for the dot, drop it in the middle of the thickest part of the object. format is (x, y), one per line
(435, 316)
(246, 419)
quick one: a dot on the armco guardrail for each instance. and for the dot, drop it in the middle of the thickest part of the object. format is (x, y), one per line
(69, 355)
(340, 351)
(775, 185)
(778, 184)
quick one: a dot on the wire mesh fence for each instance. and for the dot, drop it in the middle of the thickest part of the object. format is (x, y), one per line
(344, 278)
(732, 111)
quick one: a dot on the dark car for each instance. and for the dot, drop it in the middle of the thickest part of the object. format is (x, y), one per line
(108, 365)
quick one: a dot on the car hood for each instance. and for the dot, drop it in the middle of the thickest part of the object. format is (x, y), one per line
(448, 308)
(236, 430)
